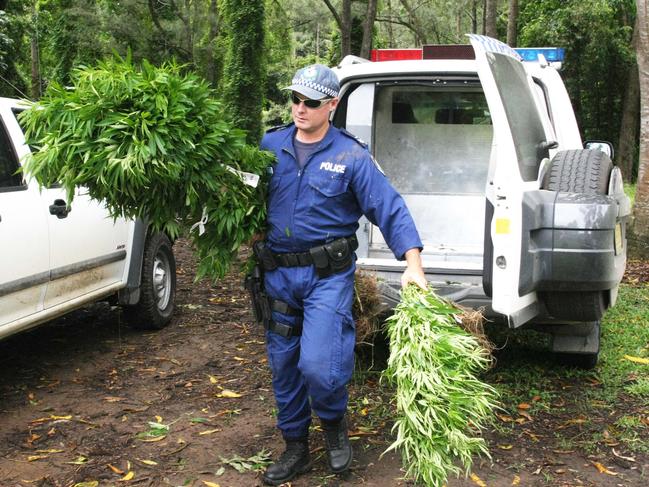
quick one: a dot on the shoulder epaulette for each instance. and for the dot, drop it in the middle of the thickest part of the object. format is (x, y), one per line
(279, 127)
(352, 136)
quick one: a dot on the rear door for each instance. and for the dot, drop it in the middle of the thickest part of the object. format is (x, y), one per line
(521, 147)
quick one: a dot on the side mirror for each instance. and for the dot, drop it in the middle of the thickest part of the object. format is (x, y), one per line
(601, 145)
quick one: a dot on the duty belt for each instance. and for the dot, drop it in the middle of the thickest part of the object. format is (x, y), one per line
(328, 258)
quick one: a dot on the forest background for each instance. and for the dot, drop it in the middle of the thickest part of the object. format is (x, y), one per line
(43, 40)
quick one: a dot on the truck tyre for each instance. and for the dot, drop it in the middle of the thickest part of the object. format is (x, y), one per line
(586, 361)
(583, 171)
(579, 171)
(158, 286)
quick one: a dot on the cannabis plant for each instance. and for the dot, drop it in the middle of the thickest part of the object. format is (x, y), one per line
(153, 143)
(441, 403)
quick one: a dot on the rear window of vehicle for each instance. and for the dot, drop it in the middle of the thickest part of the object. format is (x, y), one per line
(433, 139)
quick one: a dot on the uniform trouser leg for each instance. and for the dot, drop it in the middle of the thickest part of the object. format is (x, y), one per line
(312, 371)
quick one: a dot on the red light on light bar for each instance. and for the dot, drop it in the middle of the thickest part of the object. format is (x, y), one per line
(395, 54)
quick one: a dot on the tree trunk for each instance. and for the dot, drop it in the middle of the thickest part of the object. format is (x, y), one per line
(490, 18)
(368, 26)
(245, 71)
(484, 17)
(420, 33)
(474, 16)
(512, 23)
(212, 77)
(627, 143)
(641, 208)
(36, 62)
(344, 22)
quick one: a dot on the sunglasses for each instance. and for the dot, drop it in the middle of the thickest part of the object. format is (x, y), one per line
(309, 103)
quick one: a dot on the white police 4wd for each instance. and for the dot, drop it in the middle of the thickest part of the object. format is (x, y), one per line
(55, 258)
(515, 215)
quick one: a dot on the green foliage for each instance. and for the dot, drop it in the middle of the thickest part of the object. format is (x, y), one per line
(244, 70)
(597, 37)
(14, 51)
(152, 143)
(441, 403)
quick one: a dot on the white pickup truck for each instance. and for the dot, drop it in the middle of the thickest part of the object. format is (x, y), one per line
(516, 216)
(56, 257)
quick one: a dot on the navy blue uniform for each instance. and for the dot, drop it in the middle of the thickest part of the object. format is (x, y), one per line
(319, 203)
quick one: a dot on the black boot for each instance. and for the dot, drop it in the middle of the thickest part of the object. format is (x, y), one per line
(295, 460)
(339, 450)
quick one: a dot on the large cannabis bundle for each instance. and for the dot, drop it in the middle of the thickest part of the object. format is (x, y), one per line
(151, 142)
(441, 404)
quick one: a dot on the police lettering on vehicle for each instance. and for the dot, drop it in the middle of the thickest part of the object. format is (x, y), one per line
(329, 166)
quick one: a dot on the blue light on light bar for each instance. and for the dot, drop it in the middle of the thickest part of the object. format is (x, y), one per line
(551, 54)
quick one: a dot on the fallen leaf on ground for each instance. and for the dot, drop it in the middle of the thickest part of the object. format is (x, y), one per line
(80, 460)
(210, 484)
(52, 418)
(128, 476)
(153, 440)
(209, 432)
(114, 399)
(33, 458)
(516, 480)
(50, 451)
(147, 462)
(526, 415)
(477, 480)
(523, 405)
(228, 393)
(637, 360)
(362, 433)
(213, 379)
(505, 418)
(89, 483)
(505, 447)
(602, 469)
(115, 469)
(628, 459)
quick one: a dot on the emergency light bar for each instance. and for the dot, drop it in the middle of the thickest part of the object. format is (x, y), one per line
(395, 54)
(551, 54)
(529, 54)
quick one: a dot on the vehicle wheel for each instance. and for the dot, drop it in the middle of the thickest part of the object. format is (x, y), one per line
(587, 172)
(586, 361)
(158, 286)
(576, 305)
(579, 171)
(586, 337)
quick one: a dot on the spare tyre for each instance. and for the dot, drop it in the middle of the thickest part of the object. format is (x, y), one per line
(583, 171)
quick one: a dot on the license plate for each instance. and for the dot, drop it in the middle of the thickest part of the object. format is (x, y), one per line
(619, 243)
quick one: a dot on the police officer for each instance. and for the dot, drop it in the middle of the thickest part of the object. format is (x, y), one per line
(322, 183)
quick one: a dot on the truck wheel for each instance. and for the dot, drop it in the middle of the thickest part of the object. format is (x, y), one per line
(586, 361)
(575, 305)
(158, 286)
(578, 171)
(576, 344)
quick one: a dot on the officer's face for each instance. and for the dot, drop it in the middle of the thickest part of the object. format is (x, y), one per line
(312, 120)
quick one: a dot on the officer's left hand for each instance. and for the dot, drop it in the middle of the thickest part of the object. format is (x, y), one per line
(415, 276)
(414, 271)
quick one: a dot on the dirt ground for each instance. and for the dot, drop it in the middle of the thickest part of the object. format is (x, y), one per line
(78, 396)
